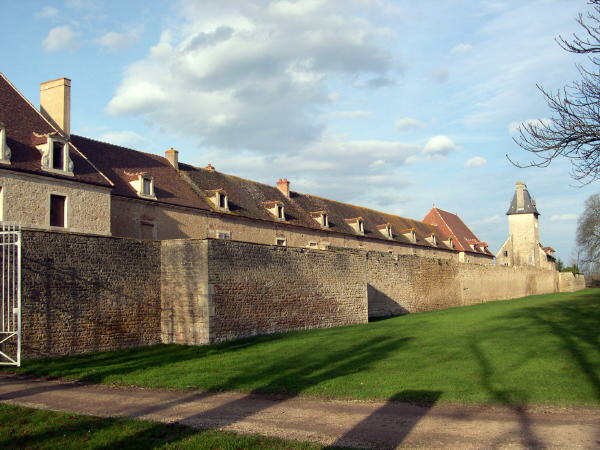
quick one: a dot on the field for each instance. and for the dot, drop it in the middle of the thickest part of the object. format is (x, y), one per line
(535, 350)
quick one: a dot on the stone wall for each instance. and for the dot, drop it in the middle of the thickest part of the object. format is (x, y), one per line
(83, 293)
(569, 282)
(186, 308)
(261, 289)
(480, 284)
(25, 199)
(398, 284)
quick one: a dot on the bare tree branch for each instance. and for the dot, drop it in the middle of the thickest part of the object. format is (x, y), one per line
(573, 132)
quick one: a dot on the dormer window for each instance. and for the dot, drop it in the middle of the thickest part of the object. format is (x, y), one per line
(321, 217)
(55, 155)
(144, 185)
(219, 198)
(432, 240)
(410, 235)
(449, 242)
(276, 208)
(4, 149)
(358, 224)
(386, 230)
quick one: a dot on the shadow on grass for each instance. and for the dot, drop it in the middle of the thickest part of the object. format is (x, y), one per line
(41, 429)
(576, 323)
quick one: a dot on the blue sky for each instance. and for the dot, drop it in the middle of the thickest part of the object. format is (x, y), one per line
(396, 105)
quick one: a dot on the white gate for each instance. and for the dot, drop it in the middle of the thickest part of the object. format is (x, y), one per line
(10, 284)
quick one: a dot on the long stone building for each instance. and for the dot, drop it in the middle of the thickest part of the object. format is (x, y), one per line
(53, 180)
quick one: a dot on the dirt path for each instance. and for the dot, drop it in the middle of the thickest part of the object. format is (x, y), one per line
(355, 424)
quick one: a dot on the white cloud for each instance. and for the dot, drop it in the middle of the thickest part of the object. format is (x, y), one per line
(476, 161)
(60, 38)
(124, 138)
(47, 12)
(461, 49)
(254, 76)
(439, 146)
(114, 41)
(408, 123)
(563, 217)
(513, 127)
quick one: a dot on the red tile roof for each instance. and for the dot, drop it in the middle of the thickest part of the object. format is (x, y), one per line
(26, 128)
(451, 226)
(122, 165)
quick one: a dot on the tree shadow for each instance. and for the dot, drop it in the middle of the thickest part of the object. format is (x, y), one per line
(576, 324)
(389, 425)
(514, 399)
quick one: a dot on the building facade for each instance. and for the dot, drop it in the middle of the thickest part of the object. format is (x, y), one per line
(45, 181)
(523, 246)
(53, 179)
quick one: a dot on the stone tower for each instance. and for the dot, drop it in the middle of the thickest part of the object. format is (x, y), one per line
(522, 248)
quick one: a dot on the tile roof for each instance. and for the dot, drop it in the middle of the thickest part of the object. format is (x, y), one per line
(25, 128)
(451, 226)
(122, 165)
(529, 206)
(248, 199)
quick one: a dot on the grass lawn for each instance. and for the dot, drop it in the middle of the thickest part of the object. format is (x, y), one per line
(36, 429)
(540, 349)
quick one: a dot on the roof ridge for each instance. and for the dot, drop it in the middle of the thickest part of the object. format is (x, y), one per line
(315, 196)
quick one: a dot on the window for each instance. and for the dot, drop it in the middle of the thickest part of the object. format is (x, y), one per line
(280, 213)
(505, 253)
(313, 244)
(147, 186)
(222, 200)
(58, 155)
(58, 210)
(4, 150)
(147, 230)
(361, 226)
(281, 242)
(55, 155)
(324, 220)
(223, 235)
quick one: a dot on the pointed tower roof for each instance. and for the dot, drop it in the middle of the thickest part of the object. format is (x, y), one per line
(522, 202)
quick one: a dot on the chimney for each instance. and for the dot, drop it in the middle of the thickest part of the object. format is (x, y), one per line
(284, 186)
(210, 167)
(55, 103)
(172, 156)
(520, 188)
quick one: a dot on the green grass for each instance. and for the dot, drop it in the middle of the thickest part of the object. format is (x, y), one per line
(538, 350)
(36, 429)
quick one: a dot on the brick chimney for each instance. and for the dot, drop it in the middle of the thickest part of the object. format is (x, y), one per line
(55, 103)
(172, 156)
(284, 186)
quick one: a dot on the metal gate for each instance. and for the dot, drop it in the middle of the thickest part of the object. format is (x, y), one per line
(10, 284)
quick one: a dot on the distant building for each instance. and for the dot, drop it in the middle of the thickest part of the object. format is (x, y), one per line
(459, 236)
(523, 246)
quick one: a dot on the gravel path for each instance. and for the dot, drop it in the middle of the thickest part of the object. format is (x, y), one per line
(330, 422)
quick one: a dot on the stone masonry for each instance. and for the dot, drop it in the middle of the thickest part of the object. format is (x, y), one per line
(85, 293)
